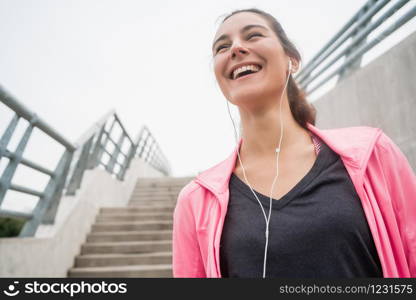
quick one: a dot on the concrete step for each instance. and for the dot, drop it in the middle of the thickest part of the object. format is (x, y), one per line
(153, 208)
(177, 188)
(160, 190)
(129, 236)
(171, 182)
(167, 180)
(142, 271)
(152, 203)
(131, 226)
(127, 247)
(152, 191)
(151, 199)
(137, 209)
(133, 217)
(155, 197)
(161, 185)
(106, 260)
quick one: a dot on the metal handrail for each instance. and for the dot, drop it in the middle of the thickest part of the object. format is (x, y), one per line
(87, 153)
(352, 43)
(150, 151)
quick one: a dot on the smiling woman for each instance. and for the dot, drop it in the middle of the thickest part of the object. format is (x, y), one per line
(268, 38)
(306, 202)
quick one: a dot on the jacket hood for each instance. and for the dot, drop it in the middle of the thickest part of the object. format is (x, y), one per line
(353, 144)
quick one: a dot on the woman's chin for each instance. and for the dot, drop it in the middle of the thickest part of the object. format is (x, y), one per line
(246, 96)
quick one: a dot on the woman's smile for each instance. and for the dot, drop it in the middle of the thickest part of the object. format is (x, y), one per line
(244, 69)
(245, 75)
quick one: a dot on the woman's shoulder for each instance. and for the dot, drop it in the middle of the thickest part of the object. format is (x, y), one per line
(348, 136)
(189, 187)
(382, 141)
(386, 154)
(386, 143)
(188, 190)
(389, 152)
(352, 130)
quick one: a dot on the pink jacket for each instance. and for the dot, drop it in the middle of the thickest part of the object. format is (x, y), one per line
(381, 175)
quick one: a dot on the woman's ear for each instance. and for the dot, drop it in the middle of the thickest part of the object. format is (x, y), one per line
(295, 65)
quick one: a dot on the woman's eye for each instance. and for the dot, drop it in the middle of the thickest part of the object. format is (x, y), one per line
(219, 48)
(254, 34)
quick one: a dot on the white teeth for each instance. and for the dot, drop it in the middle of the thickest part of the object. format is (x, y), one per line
(239, 70)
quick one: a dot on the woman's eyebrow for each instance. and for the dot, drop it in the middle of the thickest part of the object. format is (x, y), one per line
(245, 28)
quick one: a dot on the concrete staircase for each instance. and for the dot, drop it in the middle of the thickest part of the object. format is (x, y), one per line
(133, 241)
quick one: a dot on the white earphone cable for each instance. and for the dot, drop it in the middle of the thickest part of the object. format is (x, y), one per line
(267, 219)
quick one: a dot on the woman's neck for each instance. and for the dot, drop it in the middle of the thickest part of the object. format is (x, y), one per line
(261, 133)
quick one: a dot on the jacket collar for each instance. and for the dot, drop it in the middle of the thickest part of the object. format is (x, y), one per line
(353, 144)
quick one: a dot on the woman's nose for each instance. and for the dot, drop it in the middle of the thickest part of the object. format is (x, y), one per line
(238, 50)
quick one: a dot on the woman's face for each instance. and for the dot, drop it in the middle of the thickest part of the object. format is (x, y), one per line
(249, 61)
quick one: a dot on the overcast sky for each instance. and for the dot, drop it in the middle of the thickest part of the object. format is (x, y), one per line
(72, 61)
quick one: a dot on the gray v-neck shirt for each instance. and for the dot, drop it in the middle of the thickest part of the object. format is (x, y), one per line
(317, 230)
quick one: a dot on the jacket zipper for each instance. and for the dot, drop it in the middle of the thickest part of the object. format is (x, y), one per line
(215, 193)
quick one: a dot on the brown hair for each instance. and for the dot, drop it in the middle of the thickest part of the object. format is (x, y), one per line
(301, 109)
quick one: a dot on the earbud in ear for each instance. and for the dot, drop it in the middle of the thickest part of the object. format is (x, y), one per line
(290, 65)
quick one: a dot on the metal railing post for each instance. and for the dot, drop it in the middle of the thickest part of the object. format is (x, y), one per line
(52, 189)
(132, 151)
(8, 133)
(116, 153)
(93, 160)
(49, 216)
(81, 165)
(7, 176)
(106, 139)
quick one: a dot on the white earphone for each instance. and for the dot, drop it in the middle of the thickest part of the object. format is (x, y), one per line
(267, 219)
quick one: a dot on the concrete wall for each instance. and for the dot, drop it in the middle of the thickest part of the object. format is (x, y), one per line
(382, 94)
(53, 249)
